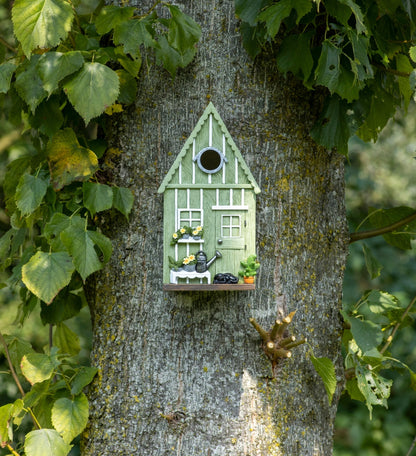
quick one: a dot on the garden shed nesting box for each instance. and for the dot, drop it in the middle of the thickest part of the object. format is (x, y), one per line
(209, 209)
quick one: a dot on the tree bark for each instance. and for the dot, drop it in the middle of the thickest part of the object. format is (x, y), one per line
(183, 373)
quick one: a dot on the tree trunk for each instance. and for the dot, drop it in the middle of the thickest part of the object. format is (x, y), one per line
(183, 373)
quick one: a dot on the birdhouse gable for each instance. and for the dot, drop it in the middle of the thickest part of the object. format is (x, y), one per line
(209, 157)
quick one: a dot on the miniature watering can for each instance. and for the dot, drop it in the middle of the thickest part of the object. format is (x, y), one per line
(201, 260)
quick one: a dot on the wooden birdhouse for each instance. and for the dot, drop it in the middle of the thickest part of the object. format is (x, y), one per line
(209, 211)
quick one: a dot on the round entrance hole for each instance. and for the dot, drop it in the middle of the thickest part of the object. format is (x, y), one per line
(210, 160)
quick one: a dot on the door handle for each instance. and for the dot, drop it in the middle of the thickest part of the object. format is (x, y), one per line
(219, 241)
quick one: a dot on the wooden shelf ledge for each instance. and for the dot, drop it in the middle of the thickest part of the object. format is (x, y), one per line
(208, 287)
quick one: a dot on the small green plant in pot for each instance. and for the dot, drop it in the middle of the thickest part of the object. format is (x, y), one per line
(249, 269)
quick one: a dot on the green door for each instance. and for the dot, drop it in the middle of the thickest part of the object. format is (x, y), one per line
(230, 240)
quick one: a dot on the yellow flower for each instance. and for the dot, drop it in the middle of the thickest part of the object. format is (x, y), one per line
(195, 232)
(182, 230)
(175, 236)
(186, 260)
(191, 257)
(198, 228)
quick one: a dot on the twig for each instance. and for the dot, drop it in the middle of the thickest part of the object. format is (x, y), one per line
(396, 327)
(380, 231)
(12, 450)
(411, 447)
(9, 361)
(9, 46)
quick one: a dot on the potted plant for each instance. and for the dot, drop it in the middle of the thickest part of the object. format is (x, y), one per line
(197, 232)
(249, 269)
(186, 232)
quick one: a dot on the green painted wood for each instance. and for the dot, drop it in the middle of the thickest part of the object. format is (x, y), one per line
(237, 186)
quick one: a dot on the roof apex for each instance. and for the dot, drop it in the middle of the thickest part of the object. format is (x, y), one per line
(210, 109)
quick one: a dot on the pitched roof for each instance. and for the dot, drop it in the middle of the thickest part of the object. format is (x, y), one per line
(210, 109)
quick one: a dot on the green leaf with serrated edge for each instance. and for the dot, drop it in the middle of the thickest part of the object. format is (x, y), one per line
(184, 32)
(80, 245)
(404, 66)
(92, 90)
(66, 305)
(69, 417)
(128, 87)
(381, 302)
(382, 106)
(359, 17)
(68, 161)
(354, 391)
(374, 387)
(412, 53)
(45, 274)
(53, 67)
(247, 10)
(17, 348)
(129, 64)
(134, 33)
(361, 65)
(328, 70)
(103, 243)
(66, 340)
(5, 243)
(48, 117)
(123, 200)
(326, 370)
(29, 193)
(334, 129)
(6, 73)
(41, 23)
(6, 428)
(86, 7)
(274, 15)
(29, 85)
(299, 63)
(253, 38)
(384, 217)
(367, 334)
(83, 377)
(373, 266)
(38, 367)
(46, 442)
(348, 86)
(53, 228)
(97, 197)
(170, 58)
(111, 16)
(339, 11)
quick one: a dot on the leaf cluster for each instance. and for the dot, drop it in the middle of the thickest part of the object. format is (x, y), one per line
(55, 402)
(361, 51)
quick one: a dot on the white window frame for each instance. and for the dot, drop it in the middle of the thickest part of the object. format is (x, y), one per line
(230, 226)
(189, 220)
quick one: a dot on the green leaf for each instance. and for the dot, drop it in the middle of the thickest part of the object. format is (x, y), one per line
(299, 62)
(80, 243)
(66, 305)
(29, 85)
(66, 340)
(103, 243)
(47, 273)
(97, 197)
(69, 417)
(361, 65)
(6, 73)
(184, 32)
(53, 67)
(48, 118)
(412, 53)
(248, 10)
(275, 14)
(6, 427)
(384, 217)
(170, 58)
(403, 65)
(334, 128)
(111, 16)
(327, 72)
(367, 334)
(373, 266)
(38, 367)
(92, 90)
(68, 161)
(83, 377)
(326, 370)
(128, 87)
(17, 349)
(46, 442)
(123, 200)
(30, 193)
(41, 23)
(359, 18)
(375, 389)
(134, 33)
(129, 64)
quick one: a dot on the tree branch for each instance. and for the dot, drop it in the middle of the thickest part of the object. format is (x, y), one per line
(8, 46)
(380, 231)
(9, 361)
